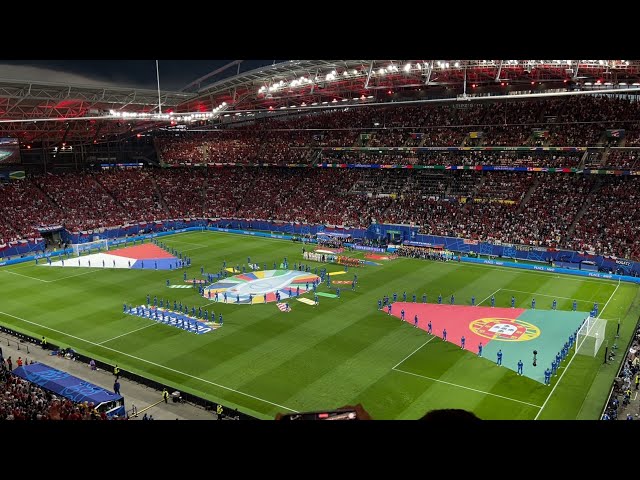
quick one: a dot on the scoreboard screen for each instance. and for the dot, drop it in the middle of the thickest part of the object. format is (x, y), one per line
(9, 151)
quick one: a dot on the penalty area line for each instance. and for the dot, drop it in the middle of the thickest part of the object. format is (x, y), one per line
(26, 276)
(489, 296)
(534, 294)
(405, 358)
(150, 362)
(467, 388)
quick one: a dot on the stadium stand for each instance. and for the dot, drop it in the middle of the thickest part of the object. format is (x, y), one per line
(526, 208)
(533, 208)
(22, 400)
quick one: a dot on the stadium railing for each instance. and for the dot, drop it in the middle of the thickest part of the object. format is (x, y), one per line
(230, 413)
(622, 360)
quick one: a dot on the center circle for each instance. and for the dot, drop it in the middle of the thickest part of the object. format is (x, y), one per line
(261, 286)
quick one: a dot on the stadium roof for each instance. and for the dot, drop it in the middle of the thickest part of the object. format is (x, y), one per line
(24, 105)
(34, 101)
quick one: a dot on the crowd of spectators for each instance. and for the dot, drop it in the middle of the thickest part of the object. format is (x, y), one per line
(625, 384)
(22, 400)
(569, 121)
(485, 206)
(611, 223)
(23, 206)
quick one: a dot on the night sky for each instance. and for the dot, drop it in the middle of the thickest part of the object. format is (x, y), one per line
(174, 74)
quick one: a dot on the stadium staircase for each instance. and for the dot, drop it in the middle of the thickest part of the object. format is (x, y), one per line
(585, 158)
(105, 190)
(156, 144)
(585, 206)
(527, 196)
(313, 157)
(160, 198)
(52, 202)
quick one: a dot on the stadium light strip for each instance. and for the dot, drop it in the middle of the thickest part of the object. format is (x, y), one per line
(197, 116)
(457, 99)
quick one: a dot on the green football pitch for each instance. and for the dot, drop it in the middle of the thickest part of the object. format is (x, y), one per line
(343, 352)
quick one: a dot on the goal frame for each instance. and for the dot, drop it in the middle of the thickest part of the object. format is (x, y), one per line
(590, 336)
(90, 247)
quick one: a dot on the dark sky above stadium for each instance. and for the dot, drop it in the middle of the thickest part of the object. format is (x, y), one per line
(174, 74)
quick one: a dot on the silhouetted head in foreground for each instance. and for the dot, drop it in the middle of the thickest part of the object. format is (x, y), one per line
(450, 415)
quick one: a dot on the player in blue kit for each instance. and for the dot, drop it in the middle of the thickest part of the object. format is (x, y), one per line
(473, 301)
(395, 296)
(554, 304)
(547, 377)
(379, 304)
(499, 361)
(444, 334)
(453, 300)
(184, 276)
(415, 321)
(148, 299)
(440, 299)
(429, 328)
(404, 296)
(402, 314)
(595, 309)
(462, 342)
(424, 298)
(554, 366)
(315, 299)
(493, 301)
(237, 298)
(155, 301)
(520, 365)
(480, 349)
(220, 319)
(414, 298)
(338, 292)
(389, 309)
(533, 304)
(124, 309)
(251, 299)
(513, 302)
(575, 305)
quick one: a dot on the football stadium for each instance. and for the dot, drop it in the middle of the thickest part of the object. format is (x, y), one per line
(324, 239)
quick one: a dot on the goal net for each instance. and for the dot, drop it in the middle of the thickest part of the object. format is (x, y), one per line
(90, 247)
(590, 336)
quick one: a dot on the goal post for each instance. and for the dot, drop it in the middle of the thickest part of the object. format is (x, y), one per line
(590, 336)
(90, 247)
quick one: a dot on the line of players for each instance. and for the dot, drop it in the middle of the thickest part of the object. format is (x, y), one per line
(177, 308)
(554, 305)
(160, 315)
(560, 356)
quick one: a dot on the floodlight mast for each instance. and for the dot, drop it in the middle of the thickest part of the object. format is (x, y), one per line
(158, 77)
